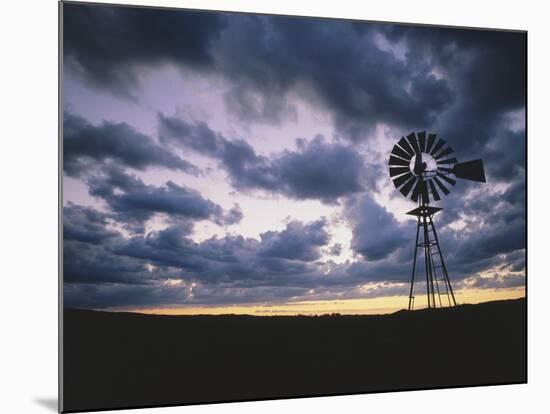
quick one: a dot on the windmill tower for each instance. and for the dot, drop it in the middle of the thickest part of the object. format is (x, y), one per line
(423, 169)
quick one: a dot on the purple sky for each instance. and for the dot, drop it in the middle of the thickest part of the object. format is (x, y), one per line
(220, 159)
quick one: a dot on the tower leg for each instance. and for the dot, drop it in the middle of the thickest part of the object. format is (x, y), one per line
(443, 266)
(434, 274)
(411, 297)
(432, 249)
(427, 265)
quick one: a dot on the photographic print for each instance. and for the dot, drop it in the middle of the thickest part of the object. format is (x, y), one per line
(263, 206)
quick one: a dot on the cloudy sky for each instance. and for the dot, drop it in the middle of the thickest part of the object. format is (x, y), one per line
(219, 162)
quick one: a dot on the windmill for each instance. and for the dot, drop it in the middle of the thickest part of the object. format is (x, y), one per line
(424, 169)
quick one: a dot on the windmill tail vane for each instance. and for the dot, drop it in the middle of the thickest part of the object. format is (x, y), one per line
(423, 168)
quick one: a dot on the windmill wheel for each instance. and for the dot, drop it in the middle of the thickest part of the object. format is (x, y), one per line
(421, 166)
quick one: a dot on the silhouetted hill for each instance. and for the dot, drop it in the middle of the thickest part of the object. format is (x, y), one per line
(115, 360)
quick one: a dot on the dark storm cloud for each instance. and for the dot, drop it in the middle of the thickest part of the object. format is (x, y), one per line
(330, 62)
(515, 194)
(168, 267)
(280, 265)
(277, 259)
(335, 250)
(233, 259)
(493, 235)
(486, 70)
(232, 216)
(498, 235)
(460, 83)
(491, 231)
(320, 170)
(108, 45)
(380, 271)
(87, 263)
(132, 201)
(504, 155)
(317, 170)
(296, 242)
(127, 295)
(89, 244)
(86, 145)
(376, 233)
(496, 281)
(481, 60)
(515, 262)
(119, 295)
(85, 224)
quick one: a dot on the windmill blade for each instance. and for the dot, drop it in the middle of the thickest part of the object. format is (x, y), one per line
(398, 171)
(398, 161)
(447, 161)
(424, 192)
(414, 142)
(422, 141)
(444, 153)
(397, 151)
(419, 189)
(470, 170)
(399, 181)
(444, 177)
(434, 191)
(437, 146)
(441, 186)
(431, 140)
(408, 185)
(405, 145)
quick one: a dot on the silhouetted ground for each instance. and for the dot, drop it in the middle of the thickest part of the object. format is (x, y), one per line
(115, 360)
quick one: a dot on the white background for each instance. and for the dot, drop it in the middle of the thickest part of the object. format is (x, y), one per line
(28, 206)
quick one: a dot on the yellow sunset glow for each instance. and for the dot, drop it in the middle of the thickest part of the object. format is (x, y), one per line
(370, 306)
